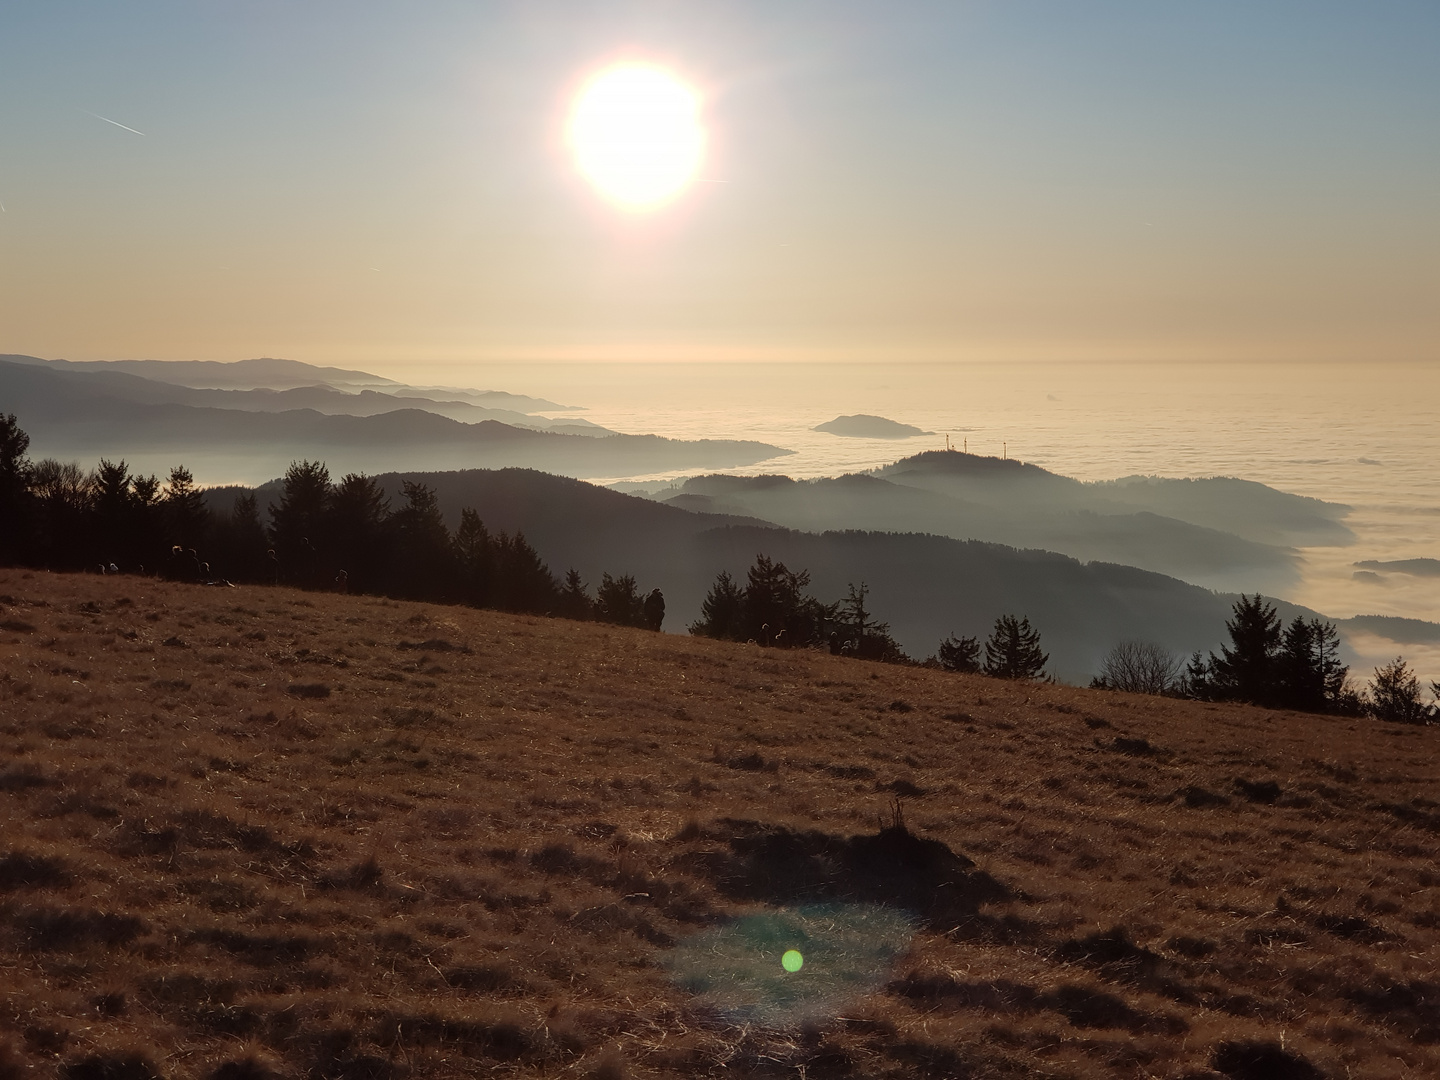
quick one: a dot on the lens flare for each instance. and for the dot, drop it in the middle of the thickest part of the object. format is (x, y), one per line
(846, 950)
(636, 135)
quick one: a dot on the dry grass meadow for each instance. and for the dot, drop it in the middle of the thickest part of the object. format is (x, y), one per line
(256, 832)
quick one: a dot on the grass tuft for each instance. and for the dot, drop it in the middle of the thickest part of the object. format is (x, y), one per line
(308, 690)
(1262, 1060)
(21, 870)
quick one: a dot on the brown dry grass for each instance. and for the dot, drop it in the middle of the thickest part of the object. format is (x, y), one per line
(249, 833)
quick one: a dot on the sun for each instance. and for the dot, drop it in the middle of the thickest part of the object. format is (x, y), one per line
(636, 134)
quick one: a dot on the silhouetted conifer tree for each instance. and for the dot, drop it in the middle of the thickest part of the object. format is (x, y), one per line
(1013, 650)
(145, 500)
(354, 534)
(238, 541)
(1309, 674)
(869, 639)
(1246, 669)
(618, 601)
(297, 521)
(475, 551)
(523, 582)
(112, 516)
(575, 602)
(16, 503)
(722, 611)
(424, 565)
(773, 609)
(1195, 679)
(777, 610)
(852, 614)
(187, 518)
(960, 654)
(1266, 663)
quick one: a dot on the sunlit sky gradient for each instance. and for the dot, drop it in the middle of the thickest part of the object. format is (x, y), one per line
(387, 184)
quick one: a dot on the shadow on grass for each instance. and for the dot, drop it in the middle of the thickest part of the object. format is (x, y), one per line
(1083, 1006)
(893, 867)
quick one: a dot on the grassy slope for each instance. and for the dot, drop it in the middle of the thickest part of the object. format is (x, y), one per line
(475, 851)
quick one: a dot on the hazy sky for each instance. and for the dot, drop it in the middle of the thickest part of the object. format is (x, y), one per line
(379, 183)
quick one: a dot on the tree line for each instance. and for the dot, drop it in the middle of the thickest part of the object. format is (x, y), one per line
(1269, 663)
(773, 608)
(343, 535)
(1265, 663)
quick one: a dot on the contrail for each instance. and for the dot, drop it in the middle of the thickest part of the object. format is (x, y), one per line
(117, 123)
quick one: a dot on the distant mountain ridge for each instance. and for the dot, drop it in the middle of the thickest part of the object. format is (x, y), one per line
(154, 425)
(268, 371)
(125, 385)
(1189, 534)
(274, 384)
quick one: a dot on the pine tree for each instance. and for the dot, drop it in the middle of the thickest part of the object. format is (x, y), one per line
(1247, 668)
(1334, 675)
(575, 602)
(14, 465)
(186, 515)
(773, 598)
(853, 616)
(777, 610)
(112, 514)
(146, 504)
(618, 601)
(1013, 650)
(297, 522)
(722, 612)
(960, 654)
(1195, 680)
(476, 552)
(1308, 673)
(240, 541)
(16, 504)
(424, 566)
(354, 532)
(870, 637)
(523, 583)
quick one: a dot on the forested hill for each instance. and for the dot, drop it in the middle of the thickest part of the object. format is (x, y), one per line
(926, 586)
(1017, 517)
(1245, 508)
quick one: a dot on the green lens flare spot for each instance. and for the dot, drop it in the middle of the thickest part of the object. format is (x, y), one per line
(792, 961)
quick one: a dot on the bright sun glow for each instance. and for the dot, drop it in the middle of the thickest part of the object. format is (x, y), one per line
(635, 131)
